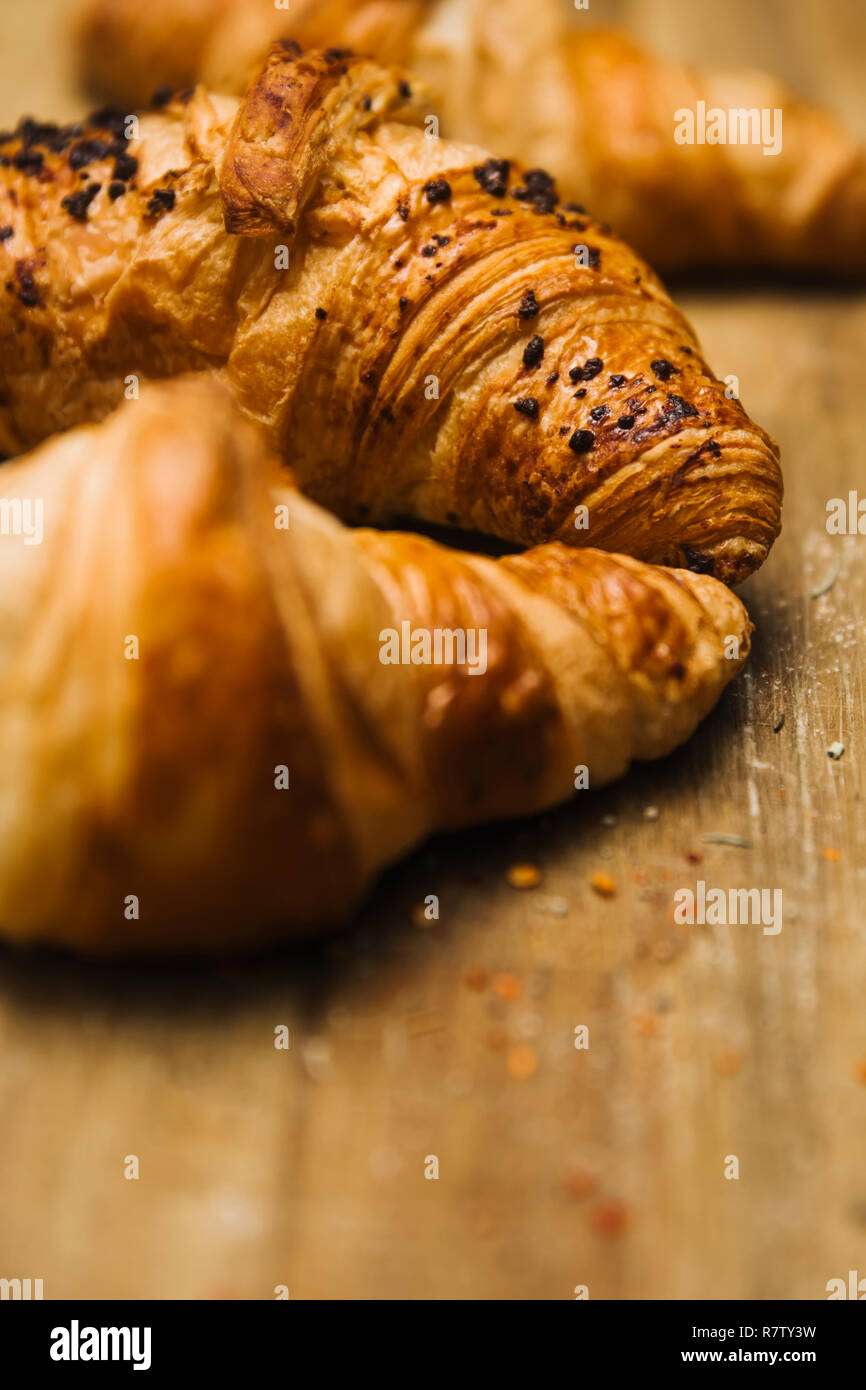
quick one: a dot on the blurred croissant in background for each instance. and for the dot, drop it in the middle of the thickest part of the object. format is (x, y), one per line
(591, 105)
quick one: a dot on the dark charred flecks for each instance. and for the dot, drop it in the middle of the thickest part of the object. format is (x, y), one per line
(162, 95)
(163, 200)
(403, 303)
(552, 379)
(28, 161)
(539, 189)
(529, 306)
(664, 369)
(428, 251)
(678, 409)
(527, 406)
(697, 562)
(77, 203)
(87, 152)
(125, 167)
(6, 233)
(109, 118)
(55, 138)
(626, 422)
(533, 352)
(617, 379)
(403, 210)
(367, 103)
(116, 190)
(581, 441)
(84, 151)
(27, 290)
(590, 369)
(441, 240)
(592, 252)
(493, 177)
(598, 413)
(438, 191)
(321, 313)
(405, 91)
(579, 395)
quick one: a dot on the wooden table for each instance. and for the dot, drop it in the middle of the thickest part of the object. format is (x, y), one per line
(557, 1167)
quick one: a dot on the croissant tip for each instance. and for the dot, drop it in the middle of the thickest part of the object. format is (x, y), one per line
(730, 564)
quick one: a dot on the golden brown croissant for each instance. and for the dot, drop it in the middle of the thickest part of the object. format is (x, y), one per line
(202, 744)
(425, 332)
(517, 76)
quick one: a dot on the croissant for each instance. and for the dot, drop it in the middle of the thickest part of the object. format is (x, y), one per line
(426, 332)
(224, 712)
(516, 75)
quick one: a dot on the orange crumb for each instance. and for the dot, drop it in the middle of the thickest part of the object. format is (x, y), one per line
(728, 1063)
(522, 1062)
(475, 978)
(610, 1218)
(832, 854)
(523, 875)
(507, 987)
(646, 1023)
(860, 1071)
(579, 1182)
(603, 884)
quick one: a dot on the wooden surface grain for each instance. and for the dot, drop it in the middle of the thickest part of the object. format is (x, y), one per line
(557, 1167)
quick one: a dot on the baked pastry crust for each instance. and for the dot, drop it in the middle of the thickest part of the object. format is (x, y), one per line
(423, 332)
(520, 77)
(191, 625)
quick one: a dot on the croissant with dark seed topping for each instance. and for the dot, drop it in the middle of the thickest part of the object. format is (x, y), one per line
(426, 332)
(516, 75)
(202, 746)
